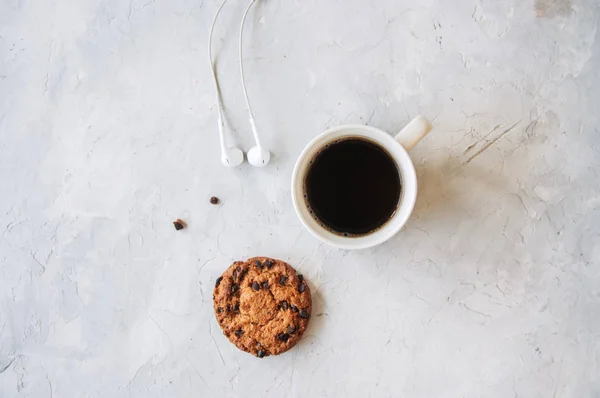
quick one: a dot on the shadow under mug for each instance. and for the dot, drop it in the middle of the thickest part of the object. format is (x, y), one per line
(397, 147)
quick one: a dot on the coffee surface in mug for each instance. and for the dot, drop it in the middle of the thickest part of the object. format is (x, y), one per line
(352, 186)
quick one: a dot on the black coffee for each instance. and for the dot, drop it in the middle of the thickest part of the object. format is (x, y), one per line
(352, 186)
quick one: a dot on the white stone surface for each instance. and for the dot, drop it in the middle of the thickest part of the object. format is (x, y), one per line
(108, 133)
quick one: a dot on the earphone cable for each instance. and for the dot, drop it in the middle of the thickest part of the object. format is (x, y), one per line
(214, 73)
(250, 112)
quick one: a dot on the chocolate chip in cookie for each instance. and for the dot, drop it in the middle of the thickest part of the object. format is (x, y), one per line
(234, 288)
(283, 337)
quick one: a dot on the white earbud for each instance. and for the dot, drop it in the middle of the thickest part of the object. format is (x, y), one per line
(230, 156)
(258, 156)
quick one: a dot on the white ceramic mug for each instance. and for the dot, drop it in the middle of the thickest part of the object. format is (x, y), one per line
(397, 147)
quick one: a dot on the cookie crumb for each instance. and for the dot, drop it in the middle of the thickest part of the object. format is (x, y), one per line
(179, 225)
(214, 200)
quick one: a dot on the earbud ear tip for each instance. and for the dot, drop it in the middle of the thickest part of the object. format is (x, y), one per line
(258, 157)
(232, 157)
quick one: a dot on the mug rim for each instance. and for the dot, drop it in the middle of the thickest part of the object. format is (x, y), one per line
(407, 175)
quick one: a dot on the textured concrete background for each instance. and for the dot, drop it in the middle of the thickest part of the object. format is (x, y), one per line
(108, 134)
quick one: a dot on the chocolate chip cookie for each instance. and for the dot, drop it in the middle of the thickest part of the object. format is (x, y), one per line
(262, 305)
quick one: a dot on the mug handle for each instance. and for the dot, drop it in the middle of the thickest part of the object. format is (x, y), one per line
(413, 132)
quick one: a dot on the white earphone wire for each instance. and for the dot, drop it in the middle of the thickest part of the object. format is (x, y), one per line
(251, 114)
(214, 73)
